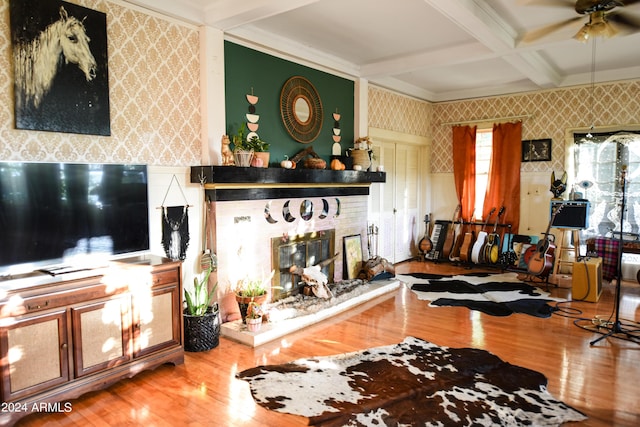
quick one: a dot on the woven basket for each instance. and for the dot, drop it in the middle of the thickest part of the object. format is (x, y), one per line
(361, 157)
(201, 333)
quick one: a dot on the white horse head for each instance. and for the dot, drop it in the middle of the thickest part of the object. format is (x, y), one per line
(75, 44)
(36, 62)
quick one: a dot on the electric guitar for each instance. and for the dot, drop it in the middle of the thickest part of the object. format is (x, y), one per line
(542, 260)
(481, 239)
(425, 244)
(452, 233)
(492, 248)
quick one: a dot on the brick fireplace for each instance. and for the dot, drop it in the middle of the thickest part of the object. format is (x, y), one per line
(253, 207)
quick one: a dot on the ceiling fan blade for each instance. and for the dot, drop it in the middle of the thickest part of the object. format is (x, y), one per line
(628, 22)
(553, 3)
(541, 32)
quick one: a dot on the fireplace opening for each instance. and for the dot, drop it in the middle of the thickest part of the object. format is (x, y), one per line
(303, 250)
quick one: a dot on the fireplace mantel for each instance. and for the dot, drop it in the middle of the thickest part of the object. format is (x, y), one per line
(238, 183)
(217, 175)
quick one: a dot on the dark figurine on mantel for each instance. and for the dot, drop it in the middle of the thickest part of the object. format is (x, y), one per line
(558, 186)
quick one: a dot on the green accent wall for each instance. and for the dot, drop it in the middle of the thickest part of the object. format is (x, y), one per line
(247, 69)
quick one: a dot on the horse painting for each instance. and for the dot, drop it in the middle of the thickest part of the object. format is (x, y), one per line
(37, 62)
(60, 63)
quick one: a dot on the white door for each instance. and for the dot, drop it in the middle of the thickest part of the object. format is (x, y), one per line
(395, 204)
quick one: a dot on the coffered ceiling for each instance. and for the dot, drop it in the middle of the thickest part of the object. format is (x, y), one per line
(437, 50)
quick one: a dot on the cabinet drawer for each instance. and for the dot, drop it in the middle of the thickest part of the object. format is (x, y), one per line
(164, 277)
(62, 298)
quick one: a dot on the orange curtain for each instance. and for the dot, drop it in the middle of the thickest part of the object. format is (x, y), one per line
(464, 168)
(503, 185)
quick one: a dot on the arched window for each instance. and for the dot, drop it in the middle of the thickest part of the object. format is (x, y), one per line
(599, 162)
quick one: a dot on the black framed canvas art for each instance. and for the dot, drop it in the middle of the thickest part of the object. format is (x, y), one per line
(61, 79)
(536, 150)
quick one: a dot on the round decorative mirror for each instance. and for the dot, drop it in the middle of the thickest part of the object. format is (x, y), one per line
(301, 109)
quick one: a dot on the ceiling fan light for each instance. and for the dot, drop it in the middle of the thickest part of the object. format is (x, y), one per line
(583, 34)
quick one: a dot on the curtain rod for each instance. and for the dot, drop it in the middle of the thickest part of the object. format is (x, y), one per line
(494, 119)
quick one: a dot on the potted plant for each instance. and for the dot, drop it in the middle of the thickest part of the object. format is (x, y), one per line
(254, 317)
(250, 292)
(242, 151)
(201, 317)
(260, 151)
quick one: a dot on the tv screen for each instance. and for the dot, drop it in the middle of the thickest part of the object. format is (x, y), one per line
(52, 214)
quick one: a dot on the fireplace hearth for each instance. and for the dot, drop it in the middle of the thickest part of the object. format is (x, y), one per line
(359, 299)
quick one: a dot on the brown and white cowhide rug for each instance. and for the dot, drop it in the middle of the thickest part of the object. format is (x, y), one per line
(500, 294)
(413, 383)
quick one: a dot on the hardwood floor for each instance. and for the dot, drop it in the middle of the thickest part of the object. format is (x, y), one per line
(600, 380)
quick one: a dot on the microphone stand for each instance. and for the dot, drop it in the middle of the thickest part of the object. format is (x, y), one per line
(616, 327)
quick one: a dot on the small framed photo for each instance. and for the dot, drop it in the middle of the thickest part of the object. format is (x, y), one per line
(536, 150)
(352, 255)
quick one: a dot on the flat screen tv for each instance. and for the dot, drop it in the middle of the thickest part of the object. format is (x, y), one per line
(54, 216)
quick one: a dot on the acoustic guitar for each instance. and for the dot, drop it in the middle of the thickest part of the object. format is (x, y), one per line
(425, 245)
(542, 260)
(452, 233)
(476, 250)
(468, 238)
(492, 248)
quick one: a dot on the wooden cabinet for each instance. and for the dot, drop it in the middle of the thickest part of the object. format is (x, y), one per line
(61, 337)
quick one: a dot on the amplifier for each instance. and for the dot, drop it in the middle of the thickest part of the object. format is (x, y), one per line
(587, 280)
(574, 214)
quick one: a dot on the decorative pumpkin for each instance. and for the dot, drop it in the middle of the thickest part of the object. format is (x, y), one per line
(286, 163)
(337, 165)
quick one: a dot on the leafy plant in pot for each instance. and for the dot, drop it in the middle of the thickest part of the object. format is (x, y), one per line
(201, 316)
(252, 291)
(260, 152)
(254, 317)
(242, 153)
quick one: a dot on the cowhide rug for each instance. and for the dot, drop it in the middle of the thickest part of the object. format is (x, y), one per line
(495, 294)
(413, 383)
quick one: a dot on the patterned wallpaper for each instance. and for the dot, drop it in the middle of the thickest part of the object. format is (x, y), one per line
(154, 95)
(551, 113)
(392, 111)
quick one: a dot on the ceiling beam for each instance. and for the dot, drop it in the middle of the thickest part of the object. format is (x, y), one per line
(228, 14)
(482, 23)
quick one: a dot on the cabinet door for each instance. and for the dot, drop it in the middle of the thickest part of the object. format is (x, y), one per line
(101, 335)
(399, 202)
(406, 202)
(157, 320)
(34, 354)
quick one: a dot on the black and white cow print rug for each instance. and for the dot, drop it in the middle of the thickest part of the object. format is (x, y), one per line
(495, 294)
(413, 383)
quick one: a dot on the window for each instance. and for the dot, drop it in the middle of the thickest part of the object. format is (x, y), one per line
(599, 163)
(484, 146)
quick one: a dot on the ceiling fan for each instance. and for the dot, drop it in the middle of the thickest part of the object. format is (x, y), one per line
(603, 20)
